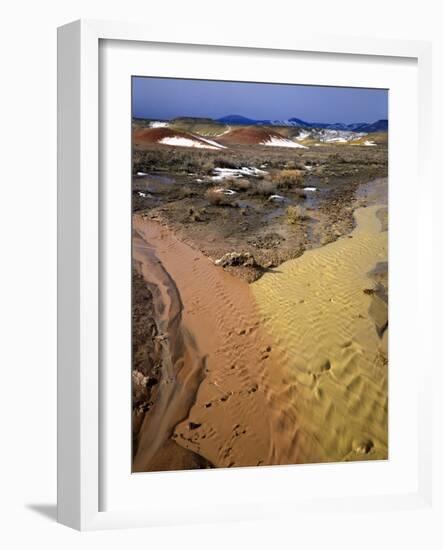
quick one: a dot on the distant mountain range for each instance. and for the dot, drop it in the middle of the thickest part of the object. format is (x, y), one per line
(378, 126)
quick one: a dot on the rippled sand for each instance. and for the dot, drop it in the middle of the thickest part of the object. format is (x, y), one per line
(291, 369)
(317, 311)
(218, 365)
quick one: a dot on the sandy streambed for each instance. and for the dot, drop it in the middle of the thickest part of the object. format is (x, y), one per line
(290, 369)
(181, 371)
(220, 365)
(317, 308)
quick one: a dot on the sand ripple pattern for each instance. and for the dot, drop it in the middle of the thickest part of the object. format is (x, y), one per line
(287, 370)
(230, 423)
(334, 377)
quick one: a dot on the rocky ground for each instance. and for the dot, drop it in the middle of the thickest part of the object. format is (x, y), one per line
(146, 353)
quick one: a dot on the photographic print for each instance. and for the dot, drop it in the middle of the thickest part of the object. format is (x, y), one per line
(259, 274)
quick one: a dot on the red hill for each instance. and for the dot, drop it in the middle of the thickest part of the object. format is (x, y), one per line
(169, 136)
(250, 135)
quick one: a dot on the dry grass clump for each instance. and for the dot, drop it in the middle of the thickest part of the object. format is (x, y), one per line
(295, 214)
(173, 159)
(216, 197)
(238, 184)
(335, 158)
(285, 179)
(229, 183)
(206, 166)
(264, 187)
(224, 162)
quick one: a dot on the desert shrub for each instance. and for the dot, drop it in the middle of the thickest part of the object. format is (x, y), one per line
(206, 166)
(238, 184)
(223, 162)
(229, 183)
(335, 158)
(295, 214)
(264, 187)
(285, 179)
(216, 197)
(173, 159)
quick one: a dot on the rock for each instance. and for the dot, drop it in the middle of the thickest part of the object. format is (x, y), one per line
(236, 259)
(138, 379)
(195, 215)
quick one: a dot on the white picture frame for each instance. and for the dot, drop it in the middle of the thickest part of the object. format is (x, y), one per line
(80, 413)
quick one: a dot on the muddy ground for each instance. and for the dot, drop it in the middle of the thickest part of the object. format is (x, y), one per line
(249, 221)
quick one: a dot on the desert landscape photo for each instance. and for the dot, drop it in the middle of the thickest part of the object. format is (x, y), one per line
(259, 274)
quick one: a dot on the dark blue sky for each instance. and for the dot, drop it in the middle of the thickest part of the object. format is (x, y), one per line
(166, 98)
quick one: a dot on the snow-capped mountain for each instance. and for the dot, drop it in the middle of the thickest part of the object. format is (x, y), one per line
(377, 126)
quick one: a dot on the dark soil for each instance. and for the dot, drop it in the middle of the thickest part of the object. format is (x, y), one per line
(175, 193)
(146, 354)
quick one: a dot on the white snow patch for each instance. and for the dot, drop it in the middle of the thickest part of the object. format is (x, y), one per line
(222, 173)
(303, 135)
(309, 188)
(141, 194)
(141, 174)
(284, 123)
(210, 142)
(225, 132)
(281, 142)
(369, 143)
(177, 141)
(276, 198)
(158, 124)
(308, 167)
(227, 192)
(337, 136)
(252, 171)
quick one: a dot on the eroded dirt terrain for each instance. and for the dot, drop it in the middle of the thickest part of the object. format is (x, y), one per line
(259, 306)
(254, 218)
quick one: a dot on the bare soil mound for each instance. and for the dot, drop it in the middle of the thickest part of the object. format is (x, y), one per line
(169, 136)
(155, 135)
(250, 136)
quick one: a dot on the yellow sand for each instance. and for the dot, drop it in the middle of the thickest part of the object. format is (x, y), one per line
(334, 374)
